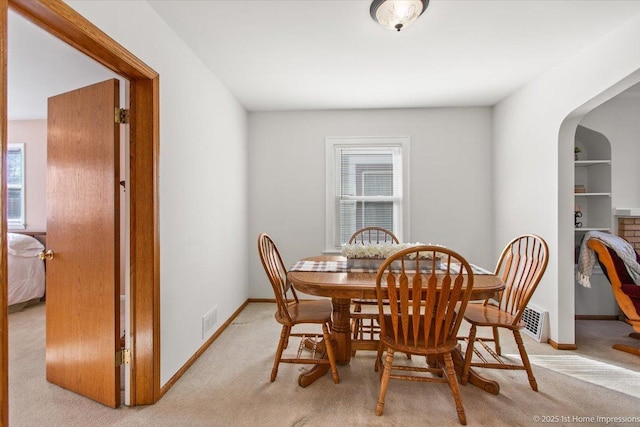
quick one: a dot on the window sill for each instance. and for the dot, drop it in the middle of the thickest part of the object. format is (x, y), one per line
(331, 252)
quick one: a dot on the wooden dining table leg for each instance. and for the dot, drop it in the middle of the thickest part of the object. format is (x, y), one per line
(490, 386)
(340, 338)
(341, 330)
(309, 377)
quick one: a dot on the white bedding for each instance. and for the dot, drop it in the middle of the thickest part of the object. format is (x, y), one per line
(26, 270)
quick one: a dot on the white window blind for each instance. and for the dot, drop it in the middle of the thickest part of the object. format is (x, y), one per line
(15, 186)
(365, 186)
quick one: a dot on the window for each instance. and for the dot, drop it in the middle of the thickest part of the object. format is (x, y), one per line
(15, 186)
(366, 186)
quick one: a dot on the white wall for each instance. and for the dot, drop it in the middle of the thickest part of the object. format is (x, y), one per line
(33, 133)
(534, 133)
(203, 180)
(619, 120)
(450, 167)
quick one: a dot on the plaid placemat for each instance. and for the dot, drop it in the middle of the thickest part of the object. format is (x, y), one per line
(341, 267)
(326, 266)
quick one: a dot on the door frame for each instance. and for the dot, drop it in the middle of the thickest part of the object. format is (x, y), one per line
(61, 21)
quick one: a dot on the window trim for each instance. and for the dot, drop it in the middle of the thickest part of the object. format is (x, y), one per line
(18, 224)
(333, 142)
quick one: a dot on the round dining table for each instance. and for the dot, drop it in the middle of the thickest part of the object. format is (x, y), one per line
(342, 286)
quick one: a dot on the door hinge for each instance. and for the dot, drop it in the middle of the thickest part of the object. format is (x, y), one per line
(123, 357)
(121, 115)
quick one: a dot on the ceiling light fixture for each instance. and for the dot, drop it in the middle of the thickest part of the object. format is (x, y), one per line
(397, 14)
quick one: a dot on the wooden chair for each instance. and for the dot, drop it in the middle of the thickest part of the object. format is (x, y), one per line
(625, 291)
(521, 266)
(292, 312)
(364, 327)
(422, 317)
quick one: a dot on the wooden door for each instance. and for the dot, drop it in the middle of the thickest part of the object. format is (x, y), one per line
(83, 289)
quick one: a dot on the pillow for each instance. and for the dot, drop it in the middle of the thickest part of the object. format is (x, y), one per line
(23, 245)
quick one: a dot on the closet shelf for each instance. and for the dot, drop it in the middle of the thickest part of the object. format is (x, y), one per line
(592, 162)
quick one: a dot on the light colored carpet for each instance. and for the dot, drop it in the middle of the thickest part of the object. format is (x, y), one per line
(229, 386)
(592, 371)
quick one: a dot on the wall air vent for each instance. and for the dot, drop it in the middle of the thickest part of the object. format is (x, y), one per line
(209, 321)
(535, 323)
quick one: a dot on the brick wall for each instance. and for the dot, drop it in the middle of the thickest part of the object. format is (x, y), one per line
(629, 228)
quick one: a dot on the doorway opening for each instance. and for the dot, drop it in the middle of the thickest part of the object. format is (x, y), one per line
(41, 66)
(567, 181)
(57, 18)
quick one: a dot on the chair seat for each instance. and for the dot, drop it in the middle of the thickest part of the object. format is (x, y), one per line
(488, 315)
(389, 340)
(316, 311)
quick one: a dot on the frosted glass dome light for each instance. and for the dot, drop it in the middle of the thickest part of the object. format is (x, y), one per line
(397, 14)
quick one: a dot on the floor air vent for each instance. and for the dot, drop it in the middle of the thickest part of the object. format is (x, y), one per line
(535, 323)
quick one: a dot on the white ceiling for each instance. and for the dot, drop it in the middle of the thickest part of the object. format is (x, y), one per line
(330, 54)
(327, 54)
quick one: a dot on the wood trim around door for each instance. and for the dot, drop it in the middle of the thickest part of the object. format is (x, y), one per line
(57, 18)
(4, 309)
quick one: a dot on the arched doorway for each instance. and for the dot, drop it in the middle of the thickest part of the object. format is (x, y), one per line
(566, 181)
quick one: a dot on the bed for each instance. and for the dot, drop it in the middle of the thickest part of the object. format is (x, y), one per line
(26, 281)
